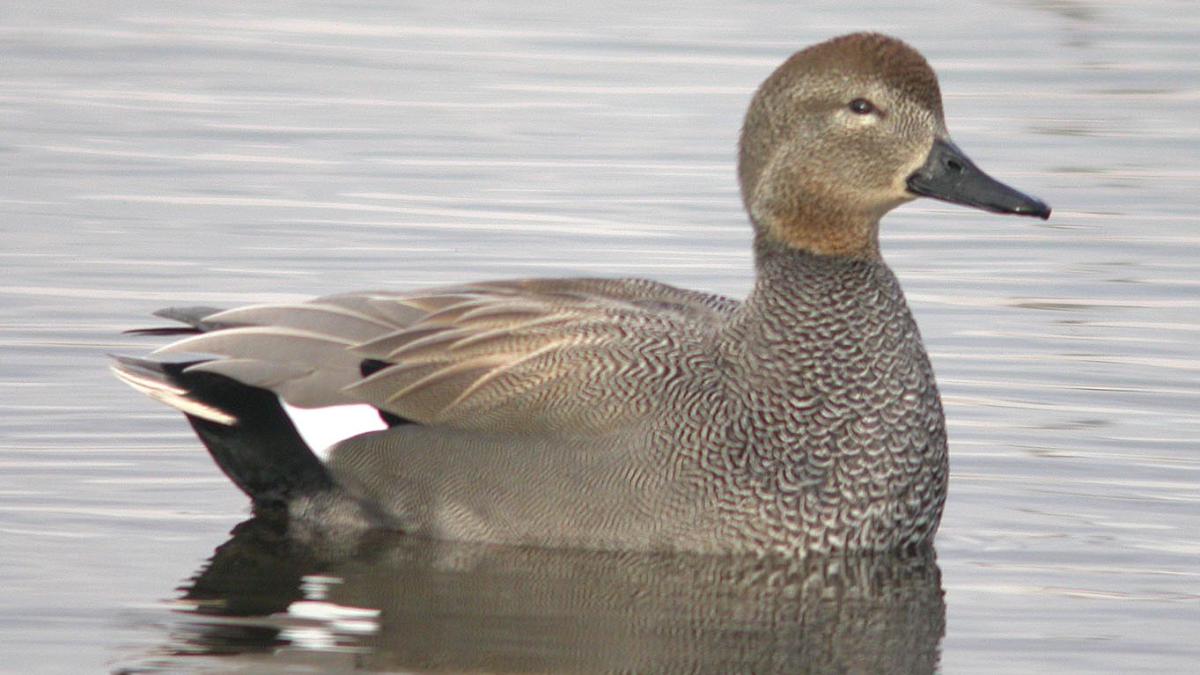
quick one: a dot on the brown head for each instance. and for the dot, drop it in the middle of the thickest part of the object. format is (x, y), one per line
(844, 132)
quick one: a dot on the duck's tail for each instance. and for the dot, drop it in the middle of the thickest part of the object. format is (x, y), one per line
(246, 429)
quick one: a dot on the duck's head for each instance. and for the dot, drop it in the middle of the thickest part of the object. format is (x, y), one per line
(845, 131)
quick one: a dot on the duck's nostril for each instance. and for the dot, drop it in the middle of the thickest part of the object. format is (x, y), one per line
(954, 166)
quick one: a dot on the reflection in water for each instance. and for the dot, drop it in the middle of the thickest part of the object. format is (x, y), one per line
(446, 606)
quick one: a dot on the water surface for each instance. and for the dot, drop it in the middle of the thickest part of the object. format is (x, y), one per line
(213, 153)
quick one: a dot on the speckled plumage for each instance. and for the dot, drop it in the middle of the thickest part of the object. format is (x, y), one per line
(628, 414)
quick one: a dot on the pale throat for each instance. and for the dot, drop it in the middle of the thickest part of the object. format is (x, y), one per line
(824, 231)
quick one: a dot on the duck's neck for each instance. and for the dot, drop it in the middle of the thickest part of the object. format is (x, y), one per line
(832, 405)
(825, 328)
(805, 300)
(824, 229)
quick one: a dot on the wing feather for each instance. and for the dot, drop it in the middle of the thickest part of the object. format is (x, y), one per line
(557, 355)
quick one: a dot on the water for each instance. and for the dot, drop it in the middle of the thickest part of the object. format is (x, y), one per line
(213, 153)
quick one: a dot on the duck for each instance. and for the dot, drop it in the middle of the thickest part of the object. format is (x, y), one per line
(627, 414)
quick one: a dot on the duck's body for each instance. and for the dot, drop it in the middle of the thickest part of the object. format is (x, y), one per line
(627, 414)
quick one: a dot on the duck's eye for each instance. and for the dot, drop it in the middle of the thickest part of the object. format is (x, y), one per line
(862, 106)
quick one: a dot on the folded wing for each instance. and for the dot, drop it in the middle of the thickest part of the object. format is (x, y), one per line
(537, 355)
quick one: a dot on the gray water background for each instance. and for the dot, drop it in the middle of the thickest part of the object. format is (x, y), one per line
(222, 153)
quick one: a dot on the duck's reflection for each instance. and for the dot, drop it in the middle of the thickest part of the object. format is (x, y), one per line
(397, 602)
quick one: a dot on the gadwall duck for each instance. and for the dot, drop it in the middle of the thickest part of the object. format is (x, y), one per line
(629, 414)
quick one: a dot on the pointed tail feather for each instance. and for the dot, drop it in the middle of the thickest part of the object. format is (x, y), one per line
(245, 429)
(193, 319)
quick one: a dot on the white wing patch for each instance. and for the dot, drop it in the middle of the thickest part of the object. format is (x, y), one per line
(322, 428)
